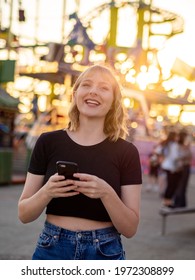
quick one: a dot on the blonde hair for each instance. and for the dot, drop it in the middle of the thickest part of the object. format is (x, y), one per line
(115, 124)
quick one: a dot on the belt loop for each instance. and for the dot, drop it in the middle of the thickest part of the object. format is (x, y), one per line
(59, 230)
(94, 236)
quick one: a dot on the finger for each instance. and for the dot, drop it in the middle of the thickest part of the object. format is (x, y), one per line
(69, 188)
(65, 190)
(91, 195)
(56, 178)
(83, 176)
(83, 184)
(65, 183)
(69, 194)
(88, 192)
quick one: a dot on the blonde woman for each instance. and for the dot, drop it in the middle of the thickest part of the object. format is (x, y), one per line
(86, 215)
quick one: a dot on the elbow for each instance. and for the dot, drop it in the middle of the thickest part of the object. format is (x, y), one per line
(22, 216)
(130, 233)
(131, 230)
(24, 219)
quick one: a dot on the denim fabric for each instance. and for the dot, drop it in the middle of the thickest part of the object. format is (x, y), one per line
(56, 243)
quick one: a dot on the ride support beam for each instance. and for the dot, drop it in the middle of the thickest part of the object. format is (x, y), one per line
(113, 26)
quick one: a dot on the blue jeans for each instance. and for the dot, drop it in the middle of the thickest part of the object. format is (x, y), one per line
(56, 243)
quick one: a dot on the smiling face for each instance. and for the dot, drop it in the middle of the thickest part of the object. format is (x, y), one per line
(94, 95)
(97, 95)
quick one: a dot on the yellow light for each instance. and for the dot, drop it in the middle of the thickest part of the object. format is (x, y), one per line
(180, 87)
(59, 89)
(23, 83)
(42, 103)
(129, 78)
(3, 54)
(67, 49)
(43, 87)
(69, 58)
(134, 125)
(147, 76)
(154, 74)
(78, 57)
(78, 48)
(152, 113)
(191, 96)
(142, 80)
(187, 118)
(128, 103)
(132, 72)
(23, 108)
(159, 118)
(25, 100)
(143, 68)
(173, 110)
(126, 66)
(95, 57)
(121, 57)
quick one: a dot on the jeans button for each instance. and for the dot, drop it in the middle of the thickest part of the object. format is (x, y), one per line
(79, 235)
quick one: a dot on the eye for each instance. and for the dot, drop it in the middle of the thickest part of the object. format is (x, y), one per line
(105, 88)
(86, 84)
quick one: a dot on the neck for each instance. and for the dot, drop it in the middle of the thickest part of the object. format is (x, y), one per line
(88, 133)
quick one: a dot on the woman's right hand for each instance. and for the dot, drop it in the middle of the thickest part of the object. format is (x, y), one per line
(57, 186)
(36, 196)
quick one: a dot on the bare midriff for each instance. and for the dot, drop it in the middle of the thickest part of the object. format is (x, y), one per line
(77, 224)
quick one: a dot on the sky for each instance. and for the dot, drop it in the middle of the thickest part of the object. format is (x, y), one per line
(182, 45)
(48, 14)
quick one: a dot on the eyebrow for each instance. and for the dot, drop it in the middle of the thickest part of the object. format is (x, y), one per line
(90, 80)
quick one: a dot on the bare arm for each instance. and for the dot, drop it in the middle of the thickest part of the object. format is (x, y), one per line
(35, 197)
(124, 212)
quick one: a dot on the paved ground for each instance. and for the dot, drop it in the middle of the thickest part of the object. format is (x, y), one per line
(17, 240)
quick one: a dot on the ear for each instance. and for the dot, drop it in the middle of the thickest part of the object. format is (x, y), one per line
(74, 95)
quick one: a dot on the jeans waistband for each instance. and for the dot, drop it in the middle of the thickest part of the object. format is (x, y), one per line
(87, 235)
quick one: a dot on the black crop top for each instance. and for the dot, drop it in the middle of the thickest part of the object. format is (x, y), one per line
(117, 163)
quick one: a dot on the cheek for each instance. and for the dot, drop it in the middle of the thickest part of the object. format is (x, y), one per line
(76, 98)
(78, 101)
(110, 101)
(109, 106)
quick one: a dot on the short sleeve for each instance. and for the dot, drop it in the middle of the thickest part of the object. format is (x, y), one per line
(131, 172)
(38, 158)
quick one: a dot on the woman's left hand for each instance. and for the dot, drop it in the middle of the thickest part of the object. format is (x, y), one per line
(91, 186)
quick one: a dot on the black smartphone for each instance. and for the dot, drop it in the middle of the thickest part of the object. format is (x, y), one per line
(67, 168)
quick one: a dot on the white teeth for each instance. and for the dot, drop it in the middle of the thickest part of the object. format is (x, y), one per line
(90, 101)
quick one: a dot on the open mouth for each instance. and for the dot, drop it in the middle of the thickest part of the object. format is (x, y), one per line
(92, 102)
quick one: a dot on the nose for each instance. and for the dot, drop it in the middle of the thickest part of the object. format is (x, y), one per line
(93, 90)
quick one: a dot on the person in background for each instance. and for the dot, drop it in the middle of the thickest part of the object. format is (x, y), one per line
(169, 158)
(85, 217)
(153, 171)
(180, 199)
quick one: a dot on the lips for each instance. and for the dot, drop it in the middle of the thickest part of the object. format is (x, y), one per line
(92, 102)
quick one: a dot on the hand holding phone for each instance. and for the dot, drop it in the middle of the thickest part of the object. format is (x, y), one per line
(67, 169)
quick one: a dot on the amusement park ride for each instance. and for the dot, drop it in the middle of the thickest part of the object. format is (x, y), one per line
(144, 80)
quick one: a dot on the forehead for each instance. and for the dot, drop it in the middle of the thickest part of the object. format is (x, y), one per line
(100, 73)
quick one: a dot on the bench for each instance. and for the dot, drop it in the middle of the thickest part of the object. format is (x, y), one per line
(165, 212)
